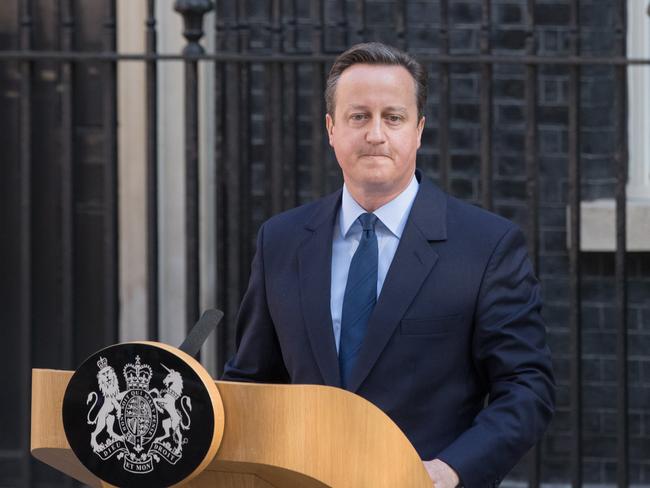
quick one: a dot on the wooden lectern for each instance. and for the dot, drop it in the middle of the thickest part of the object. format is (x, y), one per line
(274, 436)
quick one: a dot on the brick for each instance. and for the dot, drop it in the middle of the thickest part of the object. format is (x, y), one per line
(465, 12)
(558, 342)
(509, 142)
(552, 13)
(599, 446)
(464, 41)
(592, 471)
(552, 141)
(598, 42)
(639, 448)
(598, 342)
(591, 423)
(422, 12)
(465, 163)
(644, 265)
(508, 13)
(552, 115)
(553, 41)
(509, 114)
(513, 210)
(609, 472)
(555, 291)
(639, 397)
(468, 112)
(556, 316)
(597, 290)
(380, 13)
(552, 266)
(601, 396)
(509, 189)
(509, 41)
(557, 469)
(639, 292)
(597, 142)
(464, 87)
(645, 371)
(603, 15)
(466, 139)
(559, 446)
(553, 241)
(561, 422)
(599, 190)
(462, 188)
(592, 371)
(635, 422)
(509, 165)
(610, 368)
(509, 88)
(645, 473)
(634, 318)
(422, 39)
(592, 317)
(551, 90)
(553, 217)
(645, 320)
(639, 344)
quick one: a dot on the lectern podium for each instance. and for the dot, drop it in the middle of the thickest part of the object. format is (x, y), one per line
(281, 436)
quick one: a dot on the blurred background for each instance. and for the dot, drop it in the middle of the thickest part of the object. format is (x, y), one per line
(139, 157)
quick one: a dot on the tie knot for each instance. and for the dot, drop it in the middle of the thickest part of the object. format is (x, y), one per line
(368, 221)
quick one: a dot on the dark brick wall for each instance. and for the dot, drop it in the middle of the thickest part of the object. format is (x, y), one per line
(598, 143)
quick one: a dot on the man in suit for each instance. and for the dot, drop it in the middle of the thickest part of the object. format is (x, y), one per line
(394, 290)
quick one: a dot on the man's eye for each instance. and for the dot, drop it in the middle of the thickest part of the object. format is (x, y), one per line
(358, 117)
(394, 118)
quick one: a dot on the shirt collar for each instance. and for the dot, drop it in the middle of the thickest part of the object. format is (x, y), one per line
(393, 215)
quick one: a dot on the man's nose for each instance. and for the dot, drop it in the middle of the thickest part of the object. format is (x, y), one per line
(375, 134)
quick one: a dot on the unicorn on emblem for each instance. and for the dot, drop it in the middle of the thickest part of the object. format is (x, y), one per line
(166, 402)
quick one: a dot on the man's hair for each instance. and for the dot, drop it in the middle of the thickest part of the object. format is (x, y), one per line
(378, 54)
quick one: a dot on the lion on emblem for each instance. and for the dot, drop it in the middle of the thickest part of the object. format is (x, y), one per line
(105, 418)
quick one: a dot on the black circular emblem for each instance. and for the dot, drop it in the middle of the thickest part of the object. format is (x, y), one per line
(140, 415)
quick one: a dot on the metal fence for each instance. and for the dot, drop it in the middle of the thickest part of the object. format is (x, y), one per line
(246, 195)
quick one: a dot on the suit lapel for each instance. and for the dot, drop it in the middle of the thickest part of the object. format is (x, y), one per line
(314, 269)
(412, 263)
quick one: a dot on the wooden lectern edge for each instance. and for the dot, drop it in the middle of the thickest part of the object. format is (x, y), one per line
(50, 446)
(215, 398)
(350, 433)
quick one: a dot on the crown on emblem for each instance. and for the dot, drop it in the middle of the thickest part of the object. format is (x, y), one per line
(137, 375)
(102, 363)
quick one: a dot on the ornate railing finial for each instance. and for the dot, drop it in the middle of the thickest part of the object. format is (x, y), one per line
(193, 12)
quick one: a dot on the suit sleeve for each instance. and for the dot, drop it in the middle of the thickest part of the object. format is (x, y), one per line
(513, 360)
(258, 357)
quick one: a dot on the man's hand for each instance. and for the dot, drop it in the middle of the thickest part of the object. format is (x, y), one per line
(441, 474)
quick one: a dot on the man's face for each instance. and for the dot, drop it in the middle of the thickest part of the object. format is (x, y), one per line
(375, 131)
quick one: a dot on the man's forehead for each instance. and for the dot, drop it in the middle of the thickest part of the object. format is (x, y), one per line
(367, 83)
(376, 72)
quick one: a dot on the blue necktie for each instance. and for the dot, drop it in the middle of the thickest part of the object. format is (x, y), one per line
(360, 297)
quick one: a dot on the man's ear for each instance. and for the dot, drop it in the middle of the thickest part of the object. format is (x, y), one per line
(329, 124)
(420, 129)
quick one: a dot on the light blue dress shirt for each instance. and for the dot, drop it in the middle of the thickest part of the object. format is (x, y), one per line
(347, 233)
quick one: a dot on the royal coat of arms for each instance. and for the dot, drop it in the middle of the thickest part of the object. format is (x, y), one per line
(140, 425)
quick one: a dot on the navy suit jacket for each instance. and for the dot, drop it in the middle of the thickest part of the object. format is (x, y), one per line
(457, 320)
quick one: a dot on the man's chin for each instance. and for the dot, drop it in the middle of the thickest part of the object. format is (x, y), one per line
(378, 184)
